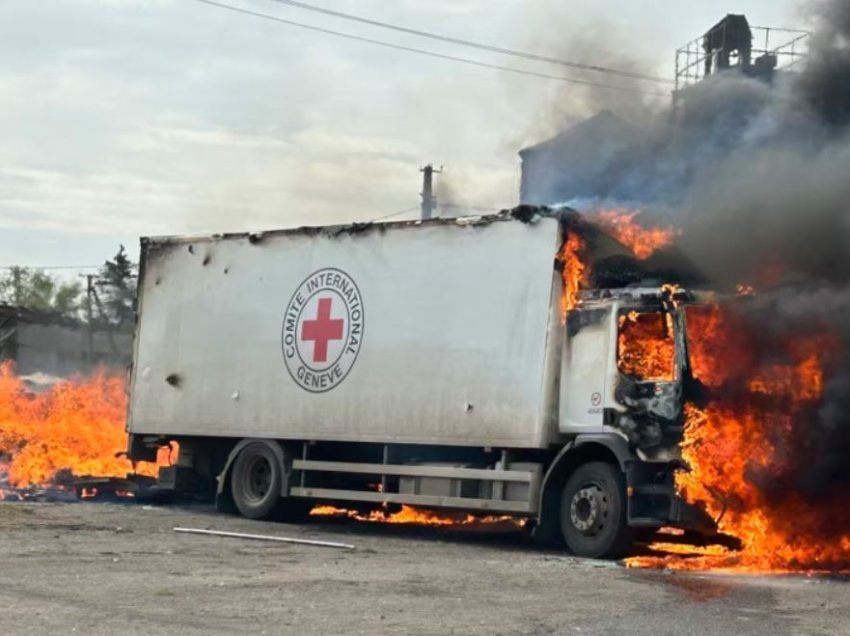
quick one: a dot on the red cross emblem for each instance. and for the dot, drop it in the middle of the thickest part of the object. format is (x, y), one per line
(322, 330)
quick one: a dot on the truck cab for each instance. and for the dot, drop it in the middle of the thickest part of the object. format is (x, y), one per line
(623, 376)
(623, 369)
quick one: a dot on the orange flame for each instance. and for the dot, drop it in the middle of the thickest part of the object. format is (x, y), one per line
(643, 242)
(646, 348)
(76, 425)
(744, 442)
(575, 271)
(410, 515)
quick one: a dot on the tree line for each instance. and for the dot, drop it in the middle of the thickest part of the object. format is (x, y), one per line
(107, 298)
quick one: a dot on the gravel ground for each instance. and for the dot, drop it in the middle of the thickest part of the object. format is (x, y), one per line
(120, 569)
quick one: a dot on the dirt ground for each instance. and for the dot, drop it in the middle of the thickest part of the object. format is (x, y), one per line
(120, 569)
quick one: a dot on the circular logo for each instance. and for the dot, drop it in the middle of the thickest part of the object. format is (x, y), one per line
(596, 399)
(322, 330)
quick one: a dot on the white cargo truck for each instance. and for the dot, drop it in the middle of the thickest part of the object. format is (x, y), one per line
(421, 363)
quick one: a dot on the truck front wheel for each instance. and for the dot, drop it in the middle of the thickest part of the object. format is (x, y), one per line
(255, 482)
(593, 511)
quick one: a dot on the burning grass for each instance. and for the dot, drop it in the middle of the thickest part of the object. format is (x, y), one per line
(75, 426)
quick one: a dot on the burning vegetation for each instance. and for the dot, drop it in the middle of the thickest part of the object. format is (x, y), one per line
(74, 428)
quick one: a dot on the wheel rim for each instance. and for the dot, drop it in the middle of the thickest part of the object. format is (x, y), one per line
(258, 479)
(589, 509)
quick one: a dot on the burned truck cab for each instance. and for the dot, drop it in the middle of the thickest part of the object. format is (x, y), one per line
(624, 364)
(624, 371)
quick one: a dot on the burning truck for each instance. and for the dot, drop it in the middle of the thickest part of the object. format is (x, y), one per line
(525, 364)
(450, 365)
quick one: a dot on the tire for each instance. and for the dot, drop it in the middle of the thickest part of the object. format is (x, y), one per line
(593, 512)
(255, 481)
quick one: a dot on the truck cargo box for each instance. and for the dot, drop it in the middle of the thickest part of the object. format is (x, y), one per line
(444, 332)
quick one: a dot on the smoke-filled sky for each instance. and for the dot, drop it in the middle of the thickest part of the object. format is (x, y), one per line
(123, 118)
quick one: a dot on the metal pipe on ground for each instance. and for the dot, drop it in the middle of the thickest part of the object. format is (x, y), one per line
(266, 537)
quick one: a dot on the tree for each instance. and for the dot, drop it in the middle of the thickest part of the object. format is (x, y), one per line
(116, 284)
(34, 289)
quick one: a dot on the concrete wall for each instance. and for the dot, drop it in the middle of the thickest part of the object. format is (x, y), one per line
(52, 346)
(63, 350)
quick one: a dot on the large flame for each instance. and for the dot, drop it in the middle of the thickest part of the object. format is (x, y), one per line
(76, 425)
(746, 448)
(643, 241)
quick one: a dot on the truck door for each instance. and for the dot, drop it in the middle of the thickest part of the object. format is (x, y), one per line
(584, 370)
(650, 351)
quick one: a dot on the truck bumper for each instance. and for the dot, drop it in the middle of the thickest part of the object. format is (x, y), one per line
(653, 502)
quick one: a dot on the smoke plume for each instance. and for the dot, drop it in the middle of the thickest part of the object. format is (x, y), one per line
(739, 152)
(757, 175)
(767, 203)
(784, 176)
(826, 84)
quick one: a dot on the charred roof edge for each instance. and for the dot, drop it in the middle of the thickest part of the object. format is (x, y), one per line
(527, 214)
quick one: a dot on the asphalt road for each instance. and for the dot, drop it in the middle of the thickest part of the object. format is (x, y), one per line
(120, 569)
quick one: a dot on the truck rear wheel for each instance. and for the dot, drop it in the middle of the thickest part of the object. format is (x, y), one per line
(593, 512)
(255, 482)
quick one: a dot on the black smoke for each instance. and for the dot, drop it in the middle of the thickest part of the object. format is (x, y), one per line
(772, 209)
(826, 84)
(754, 171)
(777, 196)
(757, 175)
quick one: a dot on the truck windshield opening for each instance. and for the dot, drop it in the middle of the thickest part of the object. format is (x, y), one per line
(646, 349)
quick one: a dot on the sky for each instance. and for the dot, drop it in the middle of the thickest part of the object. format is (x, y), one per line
(129, 118)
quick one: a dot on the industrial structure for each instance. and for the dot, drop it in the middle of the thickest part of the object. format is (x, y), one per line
(732, 44)
(607, 157)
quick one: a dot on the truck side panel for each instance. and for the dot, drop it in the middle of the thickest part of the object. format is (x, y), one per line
(455, 323)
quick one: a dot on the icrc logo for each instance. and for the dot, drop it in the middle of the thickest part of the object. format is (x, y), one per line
(322, 330)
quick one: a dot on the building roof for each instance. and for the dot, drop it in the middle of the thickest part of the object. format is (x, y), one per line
(584, 137)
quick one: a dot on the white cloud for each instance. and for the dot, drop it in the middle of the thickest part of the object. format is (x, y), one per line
(128, 117)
